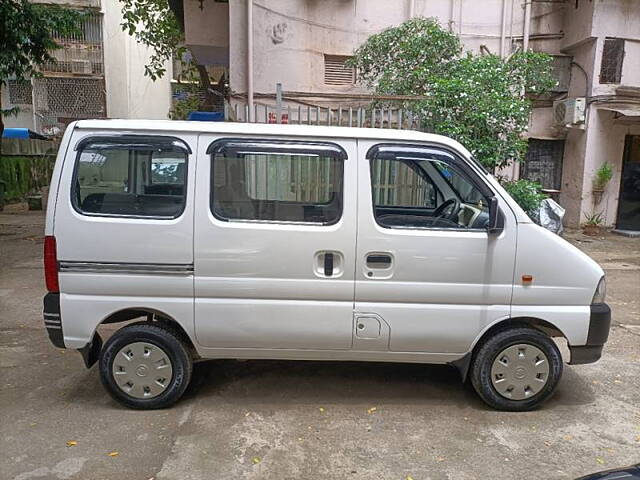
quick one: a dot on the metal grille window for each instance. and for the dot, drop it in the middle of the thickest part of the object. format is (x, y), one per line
(59, 101)
(19, 92)
(81, 54)
(337, 72)
(90, 30)
(612, 56)
(543, 163)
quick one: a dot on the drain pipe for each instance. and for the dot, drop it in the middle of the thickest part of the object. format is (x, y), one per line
(250, 61)
(412, 8)
(503, 30)
(452, 5)
(527, 25)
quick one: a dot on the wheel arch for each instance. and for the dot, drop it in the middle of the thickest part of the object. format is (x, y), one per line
(546, 327)
(151, 314)
(91, 351)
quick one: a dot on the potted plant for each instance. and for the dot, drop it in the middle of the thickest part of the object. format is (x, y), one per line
(602, 177)
(592, 224)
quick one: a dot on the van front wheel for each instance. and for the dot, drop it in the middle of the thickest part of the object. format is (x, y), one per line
(516, 369)
(145, 366)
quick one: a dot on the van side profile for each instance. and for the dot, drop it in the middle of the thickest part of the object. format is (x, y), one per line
(304, 242)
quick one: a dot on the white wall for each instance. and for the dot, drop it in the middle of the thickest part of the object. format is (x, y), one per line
(607, 145)
(129, 93)
(23, 119)
(207, 31)
(291, 36)
(631, 67)
(603, 138)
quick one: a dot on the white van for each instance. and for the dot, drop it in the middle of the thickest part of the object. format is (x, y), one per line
(310, 243)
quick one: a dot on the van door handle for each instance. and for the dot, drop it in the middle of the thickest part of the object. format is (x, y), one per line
(328, 264)
(378, 260)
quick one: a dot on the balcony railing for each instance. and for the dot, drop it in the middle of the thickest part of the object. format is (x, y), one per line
(329, 109)
(80, 54)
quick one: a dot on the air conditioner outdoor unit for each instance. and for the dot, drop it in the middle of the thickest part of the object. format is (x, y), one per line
(569, 111)
(82, 67)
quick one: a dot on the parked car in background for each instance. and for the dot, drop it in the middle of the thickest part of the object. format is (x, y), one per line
(309, 243)
(628, 473)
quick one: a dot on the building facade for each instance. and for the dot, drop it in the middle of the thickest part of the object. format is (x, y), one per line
(98, 73)
(593, 117)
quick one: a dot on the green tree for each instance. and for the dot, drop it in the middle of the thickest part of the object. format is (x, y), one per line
(26, 40)
(480, 100)
(159, 24)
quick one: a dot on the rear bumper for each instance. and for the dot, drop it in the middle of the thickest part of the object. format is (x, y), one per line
(53, 323)
(599, 325)
(52, 319)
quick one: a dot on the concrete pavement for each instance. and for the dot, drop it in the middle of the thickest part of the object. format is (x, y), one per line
(288, 420)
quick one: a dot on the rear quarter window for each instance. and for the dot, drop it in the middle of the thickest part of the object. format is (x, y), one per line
(138, 178)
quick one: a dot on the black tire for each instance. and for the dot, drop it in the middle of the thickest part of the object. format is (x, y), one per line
(489, 350)
(162, 336)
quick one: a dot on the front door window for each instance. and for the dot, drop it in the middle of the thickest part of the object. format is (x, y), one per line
(425, 191)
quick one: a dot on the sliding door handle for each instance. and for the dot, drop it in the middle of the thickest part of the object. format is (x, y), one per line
(328, 264)
(378, 260)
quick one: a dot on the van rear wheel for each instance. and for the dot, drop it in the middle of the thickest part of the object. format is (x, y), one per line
(516, 369)
(145, 366)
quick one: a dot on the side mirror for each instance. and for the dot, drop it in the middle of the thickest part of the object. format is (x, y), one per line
(496, 218)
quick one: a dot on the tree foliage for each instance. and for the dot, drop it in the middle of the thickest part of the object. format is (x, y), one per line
(527, 193)
(26, 35)
(398, 60)
(480, 100)
(26, 40)
(159, 24)
(154, 24)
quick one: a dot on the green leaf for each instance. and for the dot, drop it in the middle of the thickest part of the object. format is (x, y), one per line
(477, 99)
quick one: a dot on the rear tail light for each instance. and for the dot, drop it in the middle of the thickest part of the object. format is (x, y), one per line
(51, 264)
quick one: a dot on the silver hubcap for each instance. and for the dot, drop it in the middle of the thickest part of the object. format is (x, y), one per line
(142, 370)
(520, 371)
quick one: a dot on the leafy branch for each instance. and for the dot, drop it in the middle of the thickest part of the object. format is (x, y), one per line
(476, 99)
(26, 39)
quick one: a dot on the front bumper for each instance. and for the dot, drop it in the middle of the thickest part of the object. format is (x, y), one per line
(53, 320)
(599, 325)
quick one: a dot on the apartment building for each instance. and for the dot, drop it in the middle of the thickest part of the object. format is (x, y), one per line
(593, 116)
(98, 73)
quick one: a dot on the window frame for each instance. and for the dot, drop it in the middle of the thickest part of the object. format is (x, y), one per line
(451, 157)
(124, 142)
(261, 146)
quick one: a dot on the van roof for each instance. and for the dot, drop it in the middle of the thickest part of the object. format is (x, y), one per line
(269, 129)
